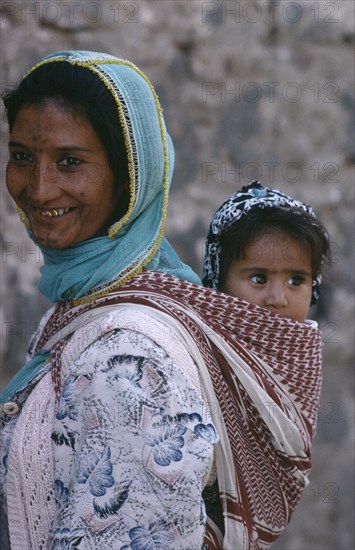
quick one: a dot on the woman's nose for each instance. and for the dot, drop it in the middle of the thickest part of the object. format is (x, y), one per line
(43, 183)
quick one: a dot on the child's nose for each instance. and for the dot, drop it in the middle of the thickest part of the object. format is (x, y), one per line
(276, 296)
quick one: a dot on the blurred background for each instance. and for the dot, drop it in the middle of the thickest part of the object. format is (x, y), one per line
(251, 89)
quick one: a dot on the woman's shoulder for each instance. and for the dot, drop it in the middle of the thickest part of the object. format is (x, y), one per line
(135, 331)
(37, 334)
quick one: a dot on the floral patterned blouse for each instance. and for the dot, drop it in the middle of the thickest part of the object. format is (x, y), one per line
(133, 445)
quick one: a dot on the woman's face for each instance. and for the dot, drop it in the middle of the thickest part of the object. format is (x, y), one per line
(59, 175)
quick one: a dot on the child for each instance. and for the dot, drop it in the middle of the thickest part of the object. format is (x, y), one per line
(266, 248)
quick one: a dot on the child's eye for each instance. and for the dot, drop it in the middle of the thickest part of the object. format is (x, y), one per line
(258, 279)
(296, 280)
(21, 157)
(69, 162)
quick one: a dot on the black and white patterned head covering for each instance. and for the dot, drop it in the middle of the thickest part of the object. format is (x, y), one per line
(250, 197)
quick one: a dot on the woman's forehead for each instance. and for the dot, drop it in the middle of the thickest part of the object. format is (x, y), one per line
(39, 121)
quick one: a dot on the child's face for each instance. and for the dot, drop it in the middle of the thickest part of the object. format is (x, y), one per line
(276, 274)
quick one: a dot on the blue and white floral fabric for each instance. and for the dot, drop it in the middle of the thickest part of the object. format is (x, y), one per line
(131, 431)
(133, 445)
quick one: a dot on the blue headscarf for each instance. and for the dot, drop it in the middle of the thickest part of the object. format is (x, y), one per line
(90, 269)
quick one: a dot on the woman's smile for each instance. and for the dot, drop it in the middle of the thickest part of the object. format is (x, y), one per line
(59, 175)
(56, 212)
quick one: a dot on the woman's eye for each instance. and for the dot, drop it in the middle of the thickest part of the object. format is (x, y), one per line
(258, 279)
(20, 156)
(70, 162)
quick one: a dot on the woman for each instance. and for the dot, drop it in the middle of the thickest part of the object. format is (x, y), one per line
(142, 386)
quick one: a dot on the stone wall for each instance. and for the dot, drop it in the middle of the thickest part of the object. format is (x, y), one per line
(249, 89)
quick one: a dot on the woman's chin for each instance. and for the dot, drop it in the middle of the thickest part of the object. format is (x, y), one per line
(51, 241)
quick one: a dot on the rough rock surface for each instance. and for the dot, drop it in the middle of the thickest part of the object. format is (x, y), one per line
(250, 89)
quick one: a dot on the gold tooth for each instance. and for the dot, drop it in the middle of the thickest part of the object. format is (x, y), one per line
(54, 212)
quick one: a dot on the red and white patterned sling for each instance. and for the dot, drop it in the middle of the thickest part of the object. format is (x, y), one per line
(262, 377)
